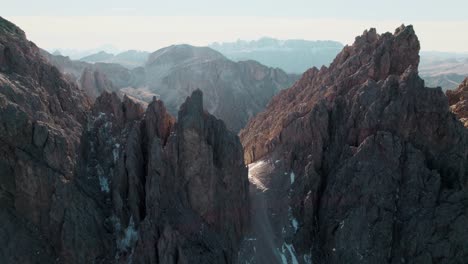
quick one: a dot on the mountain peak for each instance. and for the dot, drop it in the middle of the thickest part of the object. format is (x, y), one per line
(191, 112)
(176, 54)
(372, 57)
(381, 55)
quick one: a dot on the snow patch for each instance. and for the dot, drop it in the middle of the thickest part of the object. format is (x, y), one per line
(342, 224)
(292, 177)
(288, 250)
(100, 115)
(253, 168)
(115, 152)
(129, 237)
(294, 222)
(104, 183)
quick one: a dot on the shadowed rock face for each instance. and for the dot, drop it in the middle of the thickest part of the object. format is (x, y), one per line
(111, 182)
(458, 101)
(179, 189)
(41, 117)
(380, 162)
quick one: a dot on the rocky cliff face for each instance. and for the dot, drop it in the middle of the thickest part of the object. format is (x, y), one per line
(372, 165)
(110, 182)
(458, 101)
(40, 116)
(177, 191)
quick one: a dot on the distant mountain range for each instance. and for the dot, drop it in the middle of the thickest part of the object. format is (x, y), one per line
(294, 56)
(443, 69)
(228, 70)
(128, 59)
(234, 91)
(76, 54)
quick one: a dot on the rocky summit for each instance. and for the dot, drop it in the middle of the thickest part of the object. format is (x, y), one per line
(110, 182)
(369, 165)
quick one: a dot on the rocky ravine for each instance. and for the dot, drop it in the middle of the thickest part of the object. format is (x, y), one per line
(458, 101)
(370, 165)
(110, 182)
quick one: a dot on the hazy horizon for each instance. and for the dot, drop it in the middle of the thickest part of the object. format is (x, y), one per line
(150, 25)
(152, 33)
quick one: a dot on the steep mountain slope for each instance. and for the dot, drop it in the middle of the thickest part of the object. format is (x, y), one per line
(293, 56)
(458, 101)
(40, 129)
(366, 164)
(110, 182)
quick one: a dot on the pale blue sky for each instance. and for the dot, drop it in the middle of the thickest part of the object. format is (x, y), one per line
(346, 9)
(149, 25)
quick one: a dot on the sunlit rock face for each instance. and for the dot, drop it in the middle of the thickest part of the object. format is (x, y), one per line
(110, 181)
(458, 101)
(380, 161)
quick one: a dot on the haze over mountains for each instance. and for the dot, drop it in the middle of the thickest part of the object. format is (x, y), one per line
(129, 58)
(293, 56)
(444, 69)
(234, 91)
(355, 162)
